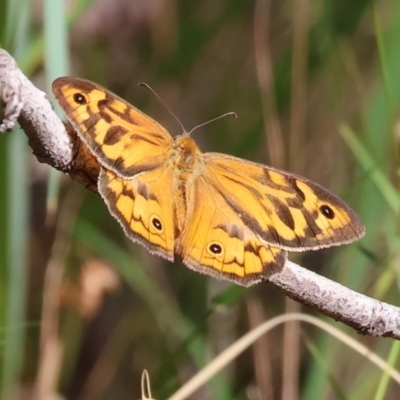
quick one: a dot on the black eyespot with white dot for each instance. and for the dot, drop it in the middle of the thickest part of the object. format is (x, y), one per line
(215, 249)
(79, 98)
(327, 211)
(157, 224)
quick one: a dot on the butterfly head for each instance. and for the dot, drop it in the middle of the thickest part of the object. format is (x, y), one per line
(187, 149)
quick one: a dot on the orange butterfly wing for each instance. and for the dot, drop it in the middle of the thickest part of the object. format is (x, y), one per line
(215, 241)
(243, 216)
(283, 209)
(133, 149)
(143, 206)
(124, 139)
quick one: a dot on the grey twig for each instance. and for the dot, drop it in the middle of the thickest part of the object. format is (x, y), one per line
(366, 315)
(23, 101)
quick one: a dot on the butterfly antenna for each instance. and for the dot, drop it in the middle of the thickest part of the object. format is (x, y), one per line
(212, 120)
(162, 101)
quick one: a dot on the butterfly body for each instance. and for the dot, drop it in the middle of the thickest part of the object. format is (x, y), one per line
(223, 216)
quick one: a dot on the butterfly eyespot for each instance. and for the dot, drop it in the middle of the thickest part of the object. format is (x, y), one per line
(327, 211)
(215, 249)
(157, 224)
(79, 98)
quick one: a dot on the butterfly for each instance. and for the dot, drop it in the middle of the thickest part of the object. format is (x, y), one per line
(223, 216)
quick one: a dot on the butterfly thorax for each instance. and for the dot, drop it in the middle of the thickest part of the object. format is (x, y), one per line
(187, 150)
(187, 165)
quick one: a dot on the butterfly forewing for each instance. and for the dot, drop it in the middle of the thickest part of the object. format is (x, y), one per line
(285, 210)
(123, 138)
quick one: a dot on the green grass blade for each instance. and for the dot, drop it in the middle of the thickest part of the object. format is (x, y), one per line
(383, 65)
(367, 162)
(385, 379)
(17, 223)
(325, 368)
(16, 210)
(33, 57)
(56, 61)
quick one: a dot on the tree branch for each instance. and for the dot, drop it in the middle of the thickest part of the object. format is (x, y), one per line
(57, 146)
(46, 133)
(365, 314)
(52, 142)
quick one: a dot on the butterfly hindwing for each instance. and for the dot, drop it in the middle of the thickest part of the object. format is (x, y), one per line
(143, 206)
(216, 242)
